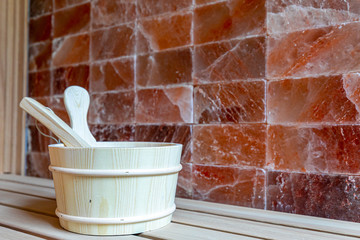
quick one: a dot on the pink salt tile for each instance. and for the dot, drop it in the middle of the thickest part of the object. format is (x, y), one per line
(39, 84)
(112, 75)
(242, 187)
(67, 76)
(236, 59)
(36, 141)
(290, 16)
(154, 7)
(40, 29)
(167, 133)
(232, 102)
(230, 19)
(164, 68)
(113, 132)
(70, 50)
(321, 99)
(171, 105)
(324, 149)
(312, 52)
(328, 196)
(230, 145)
(40, 56)
(72, 20)
(112, 108)
(184, 183)
(37, 164)
(57, 105)
(40, 7)
(113, 42)
(164, 32)
(67, 3)
(112, 12)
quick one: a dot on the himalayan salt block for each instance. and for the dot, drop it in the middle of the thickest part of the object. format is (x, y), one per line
(230, 145)
(170, 105)
(40, 56)
(67, 76)
(39, 84)
(112, 12)
(40, 7)
(167, 133)
(321, 99)
(230, 185)
(155, 7)
(325, 149)
(70, 50)
(329, 196)
(113, 132)
(231, 60)
(36, 141)
(164, 68)
(290, 16)
(112, 75)
(113, 42)
(184, 184)
(312, 52)
(230, 19)
(58, 4)
(57, 105)
(112, 108)
(232, 102)
(40, 29)
(164, 32)
(201, 2)
(72, 20)
(37, 164)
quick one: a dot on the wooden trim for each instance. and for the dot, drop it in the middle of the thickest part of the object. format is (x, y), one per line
(13, 79)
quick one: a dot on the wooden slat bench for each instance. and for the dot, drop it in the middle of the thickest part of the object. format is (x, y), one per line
(27, 211)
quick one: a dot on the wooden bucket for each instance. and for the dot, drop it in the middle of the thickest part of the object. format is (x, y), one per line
(115, 188)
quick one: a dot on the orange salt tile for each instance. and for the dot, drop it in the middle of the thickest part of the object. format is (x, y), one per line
(164, 68)
(40, 7)
(37, 164)
(70, 50)
(40, 29)
(171, 105)
(154, 7)
(72, 20)
(40, 56)
(39, 84)
(230, 19)
(67, 76)
(112, 132)
(230, 145)
(232, 102)
(58, 4)
(184, 183)
(230, 185)
(112, 75)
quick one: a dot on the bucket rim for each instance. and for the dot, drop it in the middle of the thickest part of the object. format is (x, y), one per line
(102, 145)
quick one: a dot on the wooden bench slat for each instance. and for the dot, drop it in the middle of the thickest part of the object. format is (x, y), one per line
(45, 226)
(184, 232)
(28, 180)
(28, 189)
(245, 227)
(271, 217)
(10, 234)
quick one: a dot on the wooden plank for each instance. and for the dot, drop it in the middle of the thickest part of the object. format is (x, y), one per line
(2, 79)
(10, 234)
(30, 190)
(44, 226)
(252, 228)
(43, 182)
(272, 217)
(183, 232)
(29, 203)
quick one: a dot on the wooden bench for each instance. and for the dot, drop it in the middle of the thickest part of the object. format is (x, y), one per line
(27, 207)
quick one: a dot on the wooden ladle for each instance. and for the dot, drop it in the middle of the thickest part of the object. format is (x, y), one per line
(50, 120)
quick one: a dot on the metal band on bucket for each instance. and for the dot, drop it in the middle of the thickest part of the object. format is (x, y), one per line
(124, 220)
(116, 172)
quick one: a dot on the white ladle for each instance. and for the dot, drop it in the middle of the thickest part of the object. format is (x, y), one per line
(77, 103)
(50, 120)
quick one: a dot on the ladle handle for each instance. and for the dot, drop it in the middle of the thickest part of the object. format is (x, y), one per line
(50, 120)
(77, 103)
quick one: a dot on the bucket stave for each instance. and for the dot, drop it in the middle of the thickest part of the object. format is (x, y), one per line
(115, 188)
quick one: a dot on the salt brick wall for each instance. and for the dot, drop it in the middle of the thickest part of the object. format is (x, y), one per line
(264, 95)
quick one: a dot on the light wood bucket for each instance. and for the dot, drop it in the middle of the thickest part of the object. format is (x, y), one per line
(115, 188)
